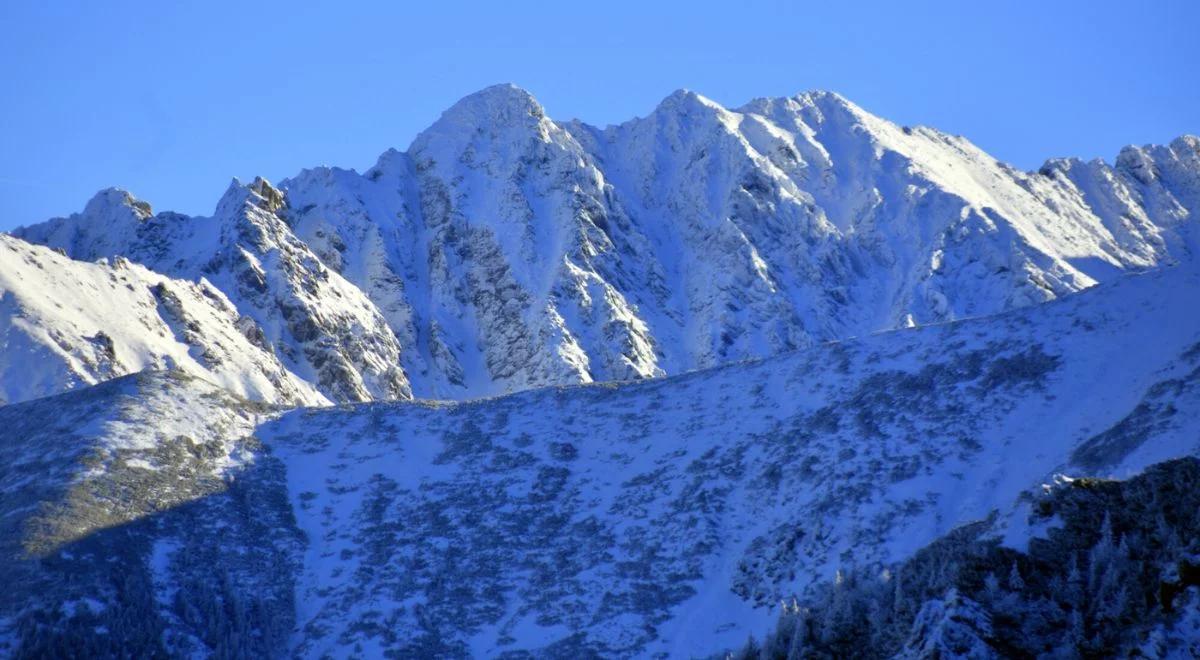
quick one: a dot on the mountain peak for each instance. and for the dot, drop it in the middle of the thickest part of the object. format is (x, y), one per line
(828, 102)
(109, 200)
(499, 103)
(270, 197)
(497, 114)
(823, 96)
(259, 192)
(1186, 144)
(392, 160)
(685, 100)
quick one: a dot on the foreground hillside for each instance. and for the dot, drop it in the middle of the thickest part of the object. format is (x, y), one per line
(504, 250)
(660, 517)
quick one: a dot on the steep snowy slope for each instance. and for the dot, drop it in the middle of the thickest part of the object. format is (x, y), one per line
(493, 242)
(66, 324)
(505, 250)
(322, 327)
(813, 211)
(665, 516)
(700, 235)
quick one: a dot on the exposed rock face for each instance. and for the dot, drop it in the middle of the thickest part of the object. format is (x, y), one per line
(504, 250)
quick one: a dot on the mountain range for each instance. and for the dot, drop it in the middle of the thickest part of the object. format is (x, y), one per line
(504, 250)
(539, 389)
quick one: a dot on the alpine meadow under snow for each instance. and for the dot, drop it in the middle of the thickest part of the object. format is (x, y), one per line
(787, 371)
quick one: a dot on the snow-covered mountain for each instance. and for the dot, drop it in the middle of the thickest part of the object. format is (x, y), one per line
(828, 345)
(504, 250)
(67, 324)
(655, 518)
(318, 325)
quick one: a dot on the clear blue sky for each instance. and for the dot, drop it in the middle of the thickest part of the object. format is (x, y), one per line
(171, 99)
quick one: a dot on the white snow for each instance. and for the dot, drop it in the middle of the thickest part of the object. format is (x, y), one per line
(505, 250)
(848, 315)
(733, 484)
(59, 316)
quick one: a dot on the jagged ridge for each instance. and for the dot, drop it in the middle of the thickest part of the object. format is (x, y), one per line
(505, 250)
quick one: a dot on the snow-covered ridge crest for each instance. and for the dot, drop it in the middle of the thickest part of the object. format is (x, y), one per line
(318, 325)
(505, 250)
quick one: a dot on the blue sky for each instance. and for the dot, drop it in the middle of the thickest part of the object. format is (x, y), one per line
(170, 100)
